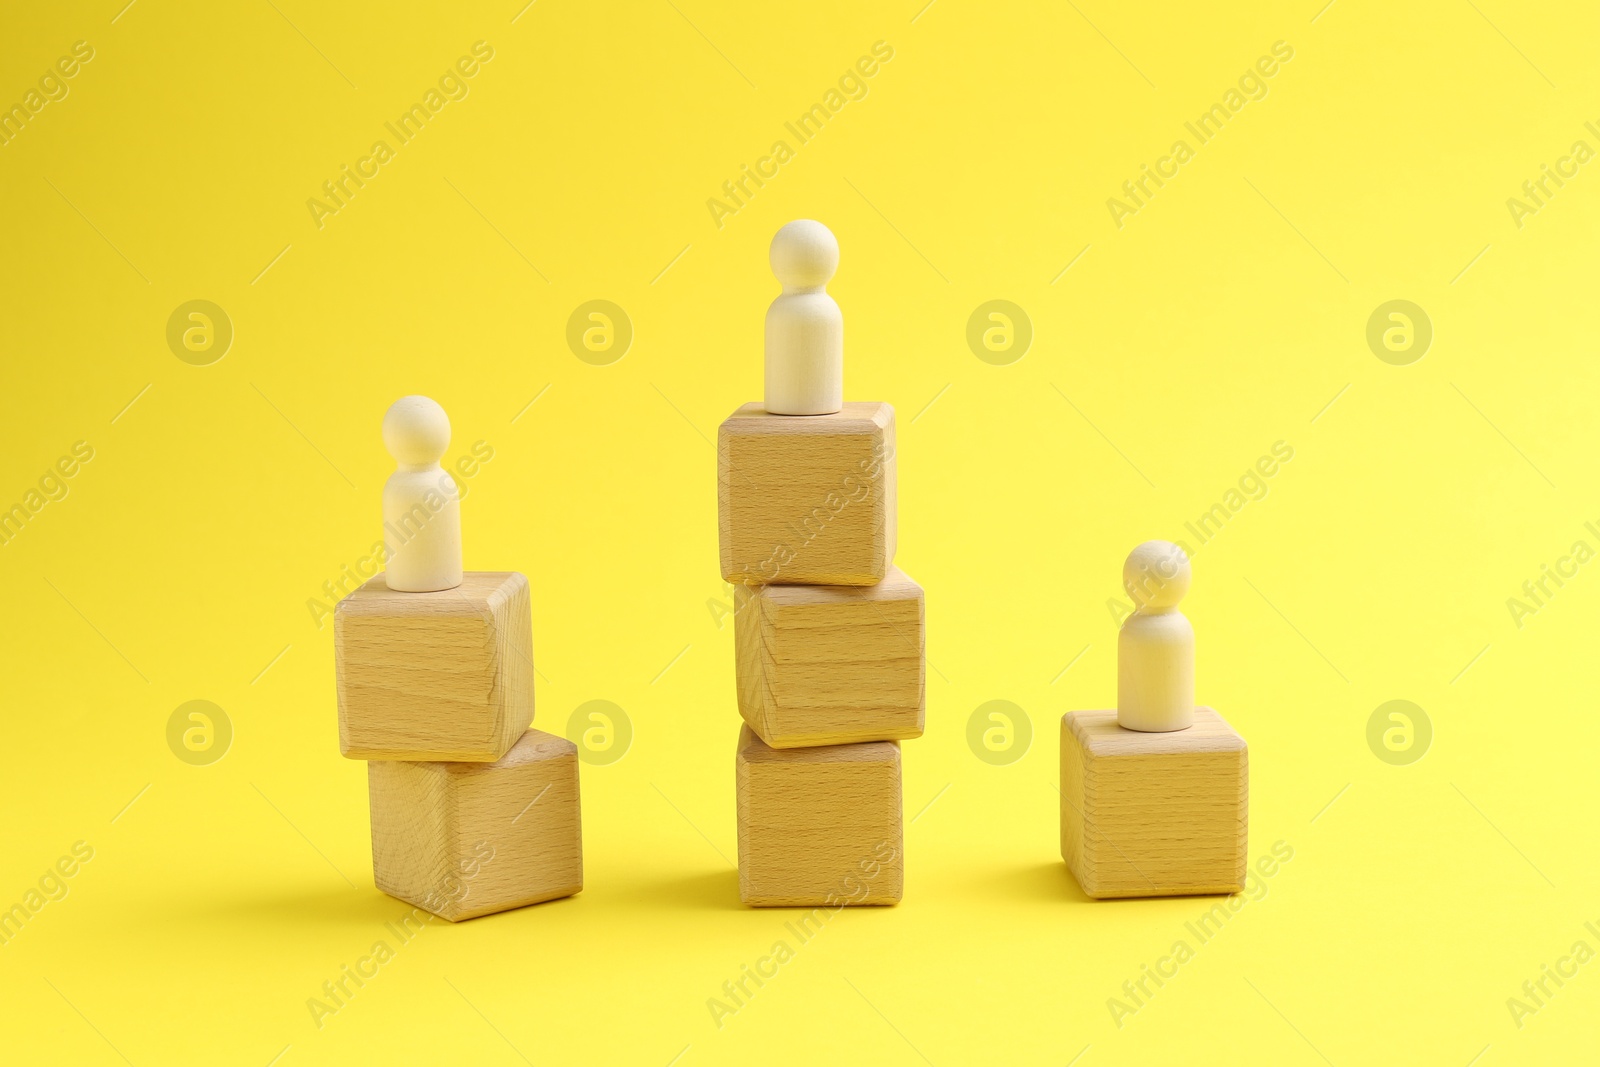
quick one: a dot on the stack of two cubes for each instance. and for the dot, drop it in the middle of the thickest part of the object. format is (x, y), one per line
(473, 811)
(829, 653)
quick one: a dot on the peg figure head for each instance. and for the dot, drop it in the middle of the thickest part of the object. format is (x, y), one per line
(1156, 576)
(416, 431)
(804, 255)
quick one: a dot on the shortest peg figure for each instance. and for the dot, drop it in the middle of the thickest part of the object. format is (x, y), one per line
(805, 328)
(1154, 795)
(421, 505)
(1155, 650)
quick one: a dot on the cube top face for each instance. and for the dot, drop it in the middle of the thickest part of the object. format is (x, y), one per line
(791, 764)
(895, 588)
(856, 417)
(446, 675)
(807, 499)
(831, 665)
(819, 826)
(466, 840)
(477, 590)
(1098, 732)
(1153, 814)
(534, 746)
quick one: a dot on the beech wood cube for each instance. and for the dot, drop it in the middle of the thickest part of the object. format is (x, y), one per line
(831, 664)
(1153, 814)
(806, 499)
(446, 675)
(819, 827)
(466, 839)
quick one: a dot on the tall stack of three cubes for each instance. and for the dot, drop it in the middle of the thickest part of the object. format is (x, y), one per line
(473, 810)
(828, 633)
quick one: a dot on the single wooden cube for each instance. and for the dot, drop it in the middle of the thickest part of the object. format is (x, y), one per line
(467, 839)
(819, 826)
(1153, 814)
(806, 499)
(435, 676)
(830, 664)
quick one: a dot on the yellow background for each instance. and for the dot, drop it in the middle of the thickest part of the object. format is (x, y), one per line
(1223, 317)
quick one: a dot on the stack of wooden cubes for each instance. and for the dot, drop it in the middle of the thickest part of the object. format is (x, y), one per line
(829, 642)
(473, 811)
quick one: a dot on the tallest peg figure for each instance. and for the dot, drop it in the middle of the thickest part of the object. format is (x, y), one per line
(1154, 795)
(828, 634)
(805, 328)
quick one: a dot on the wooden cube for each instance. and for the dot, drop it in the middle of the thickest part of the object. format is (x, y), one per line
(467, 839)
(819, 826)
(1153, 814)
(830, 664)
(806, 499)
(435, 676)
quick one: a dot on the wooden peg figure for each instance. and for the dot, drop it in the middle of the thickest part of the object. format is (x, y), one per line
(805, 329)
(421, 505)
(1155, 650)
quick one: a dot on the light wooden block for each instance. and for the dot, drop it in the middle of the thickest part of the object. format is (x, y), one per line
(446, 675)
(819, 826)
(831, 664)
(1153, 814)
(466, 839)
(806, 499)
